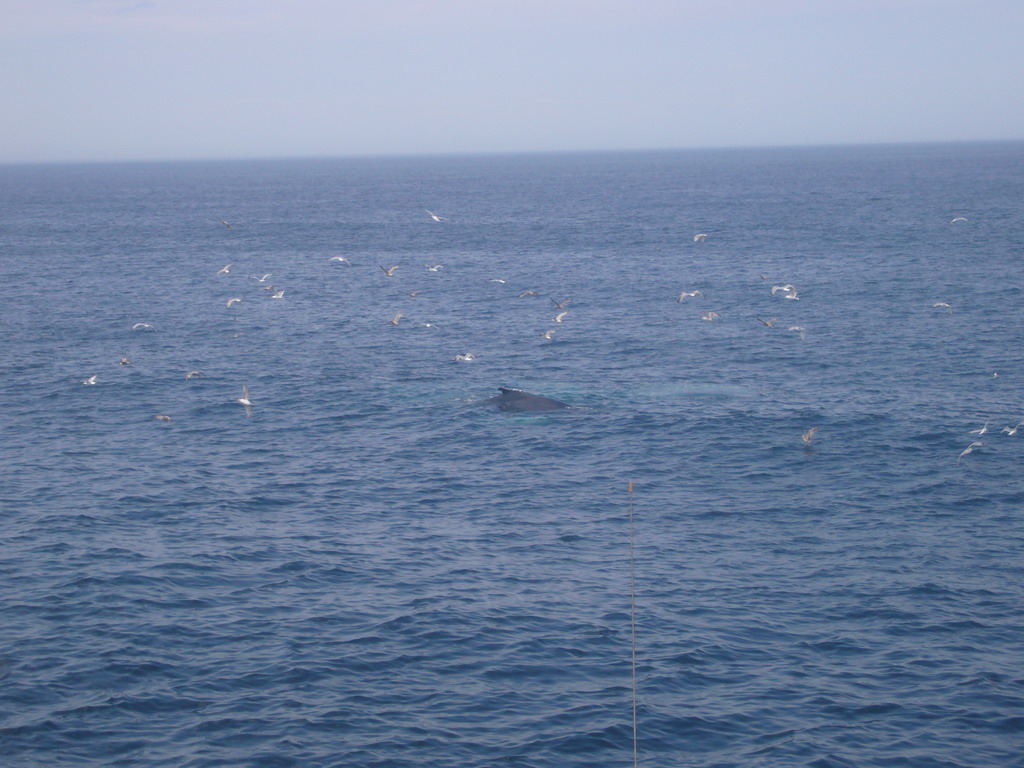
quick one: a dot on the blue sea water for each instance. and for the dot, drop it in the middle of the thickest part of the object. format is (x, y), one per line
(377, 570)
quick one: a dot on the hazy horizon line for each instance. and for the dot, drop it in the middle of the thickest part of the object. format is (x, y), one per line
(501, 153)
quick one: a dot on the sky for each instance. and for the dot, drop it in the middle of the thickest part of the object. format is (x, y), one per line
(98, 80)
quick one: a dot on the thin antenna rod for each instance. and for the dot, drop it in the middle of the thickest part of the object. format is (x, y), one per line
(632, 616)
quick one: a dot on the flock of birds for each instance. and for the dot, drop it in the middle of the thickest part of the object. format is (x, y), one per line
(786, 291)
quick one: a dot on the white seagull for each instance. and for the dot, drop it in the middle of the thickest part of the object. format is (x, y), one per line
(944, 305)
(549, 333)
(801, 329)
(710, 316)
(435, 267)
(980, 430)
(232, 301)
(958, 218)
(278, 295)
(192, 374)
(435, 217)
(90, 380)
(700, 237)
(395, 320)
(808, 436)
(1012, 432)
(143, 326)
(224, 270)
(340, 258)
(244, 400)
(969, 449)
(466, 357)
(560, 316)
(687, 295)
(390, 271)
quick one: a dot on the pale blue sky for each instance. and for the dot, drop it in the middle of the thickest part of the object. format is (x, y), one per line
(168, 79)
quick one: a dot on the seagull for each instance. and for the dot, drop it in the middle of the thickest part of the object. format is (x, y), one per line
(787, 288)
(560, 316)
(269, 288)
(232, 301)
(162, 417)
(431, 325)
(981, 430)
(142, 326)
(125, 360)
(224, 270)
(710, 316)
(687, 295)
(435, 267)
(958, 218)
(497, 280)
(466, 357)
(948, 307)
(549, 333)
(416, 292)
(278, 295)
(770, 322)
(90, 380)
(1012, 432)
(261, 279)
(526, 293)
(396, 318)
(808, 436)
(803, 331)
(435, 217)
(700, 237)
(969, 449)
(192, 374)
(340, 258)
(562, 304)
(244, 400)
(390, 271)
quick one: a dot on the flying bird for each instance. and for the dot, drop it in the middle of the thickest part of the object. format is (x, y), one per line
(279, 295)
(687, 295)
(416, 292)
(770, 322)
(232, 301)
(560, 316)
(526, 293)
(801, 329)
(162, 417)
(192, 374)
(710, 316)
(562, 304)
(969, 449)
(466, 357)
(435, 267)
(390, 271)
(944, 305)
(958, 218)
(1012, 432)
(435, 217)
(980, 430)
(549, 333)
(224, 270)
(808, 436)
(143, 326)
(244, 400)
(91, 380)
(125, 360)
(397, 318)
(700, 237)
(340, 258)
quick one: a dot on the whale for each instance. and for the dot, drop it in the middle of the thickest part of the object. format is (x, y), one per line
(519, 401)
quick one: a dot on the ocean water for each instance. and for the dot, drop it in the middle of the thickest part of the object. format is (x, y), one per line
(375, 569)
